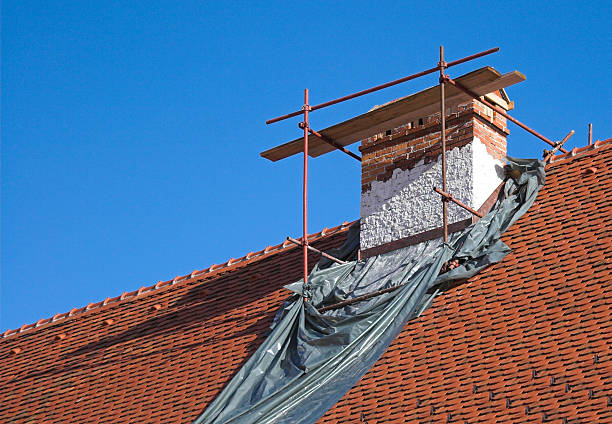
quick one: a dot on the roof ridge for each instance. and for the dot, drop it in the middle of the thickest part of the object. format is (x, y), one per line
(580, 150)
(251, 256)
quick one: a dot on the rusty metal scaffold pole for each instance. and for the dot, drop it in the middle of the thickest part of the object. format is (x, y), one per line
(548, 154)
(334, 144)
(306, 109)
(442, 66)
(320, 252)
(450, 197)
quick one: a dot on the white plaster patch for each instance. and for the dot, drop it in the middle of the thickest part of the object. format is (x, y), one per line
(406, 204)
(488, 173)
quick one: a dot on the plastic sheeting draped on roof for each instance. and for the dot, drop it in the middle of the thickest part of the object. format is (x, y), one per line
(311, 359)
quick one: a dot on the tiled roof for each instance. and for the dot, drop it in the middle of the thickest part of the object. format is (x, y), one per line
(526, 340)
(199, 274)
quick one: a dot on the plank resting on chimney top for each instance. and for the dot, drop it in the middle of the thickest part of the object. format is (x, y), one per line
(419, 105)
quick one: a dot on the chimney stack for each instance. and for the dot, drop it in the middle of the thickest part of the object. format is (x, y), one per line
(401, 167)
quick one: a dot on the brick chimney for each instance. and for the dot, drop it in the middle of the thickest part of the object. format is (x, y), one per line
(401, 167)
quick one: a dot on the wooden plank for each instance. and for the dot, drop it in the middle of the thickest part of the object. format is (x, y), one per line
(396, 113)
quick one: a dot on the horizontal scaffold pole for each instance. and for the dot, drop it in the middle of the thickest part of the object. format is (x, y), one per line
(386, 85)
(334, 144)
(358, 299)
(309, 247)
(450, 197)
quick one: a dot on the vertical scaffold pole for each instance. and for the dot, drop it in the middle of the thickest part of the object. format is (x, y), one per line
(305, 196)
(442, 66)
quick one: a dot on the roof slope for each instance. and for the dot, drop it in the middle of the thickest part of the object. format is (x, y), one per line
(527, 340)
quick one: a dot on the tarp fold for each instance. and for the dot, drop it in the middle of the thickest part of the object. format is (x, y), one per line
(310, 359)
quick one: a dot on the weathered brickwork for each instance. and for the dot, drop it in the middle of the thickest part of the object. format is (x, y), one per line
(404, 146)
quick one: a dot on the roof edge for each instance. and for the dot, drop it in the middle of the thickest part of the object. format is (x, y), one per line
(212, 269)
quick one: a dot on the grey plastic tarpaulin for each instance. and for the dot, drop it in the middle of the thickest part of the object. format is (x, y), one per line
(311, 359)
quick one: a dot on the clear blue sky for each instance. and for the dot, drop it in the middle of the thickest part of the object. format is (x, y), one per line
(131, 131)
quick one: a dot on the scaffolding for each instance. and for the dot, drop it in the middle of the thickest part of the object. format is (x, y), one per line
(291, 148)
